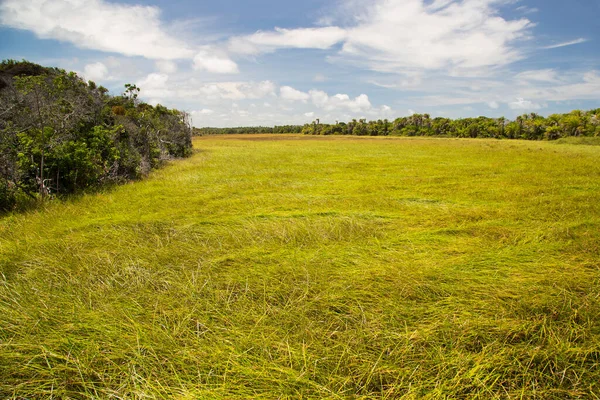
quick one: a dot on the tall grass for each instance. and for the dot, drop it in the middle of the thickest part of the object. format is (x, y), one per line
(314, 268)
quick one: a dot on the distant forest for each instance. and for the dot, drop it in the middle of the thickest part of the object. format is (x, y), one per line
(61, 135)
(248, 130)
(528, 126)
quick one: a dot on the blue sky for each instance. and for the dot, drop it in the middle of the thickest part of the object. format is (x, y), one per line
(266, 62)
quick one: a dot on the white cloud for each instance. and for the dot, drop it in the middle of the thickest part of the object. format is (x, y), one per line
(259, 90)
(340, 101)
(537, 86)
(522, 104)
(402, 36)
(233, 103)
(409, 80)
(325, 20)
(325, 102)
(160, 86)
(154, 81)
(95, 72)
(208, 60)
(407, 34)
(540, 75)
(384, 85)
(113, 62)
(132, 30)
(154, 87)
(319, 78)
(564, 44)
(527, 10)
(572, 86)
(291, 94)
(230, 90)
(301, 38)
(166, 66)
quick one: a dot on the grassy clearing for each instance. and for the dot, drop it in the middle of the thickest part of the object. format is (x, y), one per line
(314, 268)
(585, 140)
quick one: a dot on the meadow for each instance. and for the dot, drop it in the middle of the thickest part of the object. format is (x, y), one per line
(286, 266)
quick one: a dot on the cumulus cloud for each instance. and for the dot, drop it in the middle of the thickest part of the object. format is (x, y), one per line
(224, 90)
(291, 94)
(571, 86)
(301, 38)
(97, 25)
(507, 86)
(166, 66)
(234, 103)
(130, 30)
(326, 102)
(404, 35)
(204, 111)
(210, 61)
(522, 104)
(340, 101)
(95, 72)
(154, 86)
(160, 86)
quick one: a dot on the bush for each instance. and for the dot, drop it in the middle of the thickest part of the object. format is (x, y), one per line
(61, 135)
(7, 196)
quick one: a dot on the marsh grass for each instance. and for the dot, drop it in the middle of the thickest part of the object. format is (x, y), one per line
(319, 268)
(578, 140)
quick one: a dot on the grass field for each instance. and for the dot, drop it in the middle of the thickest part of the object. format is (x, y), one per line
(294, 267)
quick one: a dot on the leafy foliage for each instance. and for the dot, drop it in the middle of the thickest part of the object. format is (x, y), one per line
(528, 126)
(62, 135)
(248, 130)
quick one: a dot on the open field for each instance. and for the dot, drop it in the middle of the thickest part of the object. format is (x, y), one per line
(294, 267)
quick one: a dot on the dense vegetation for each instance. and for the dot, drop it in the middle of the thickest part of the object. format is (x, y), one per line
(314, 267)
(248, 130)
(61, 135)
(528, 126)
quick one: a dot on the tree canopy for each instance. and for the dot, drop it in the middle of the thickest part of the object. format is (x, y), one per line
(61, 135)
(527, 126)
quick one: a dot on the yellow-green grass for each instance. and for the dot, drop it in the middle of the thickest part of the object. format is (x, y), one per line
(293, 267)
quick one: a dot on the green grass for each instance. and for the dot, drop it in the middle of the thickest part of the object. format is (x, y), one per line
(314, 268)
(584, 140)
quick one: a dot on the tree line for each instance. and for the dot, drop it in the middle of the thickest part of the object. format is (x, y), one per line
(61, 135)
(248, 130)
(528, 126)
